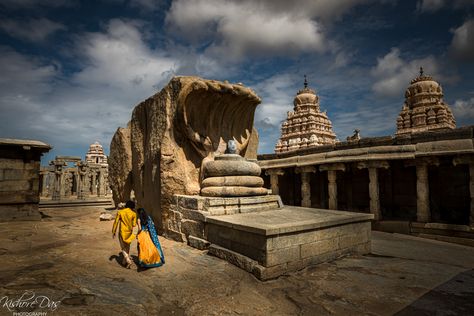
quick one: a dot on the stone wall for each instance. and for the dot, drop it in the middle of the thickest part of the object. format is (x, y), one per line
(19, 178)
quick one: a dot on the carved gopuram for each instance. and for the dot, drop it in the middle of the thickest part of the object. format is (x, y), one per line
(71, 178)
(305, 126)
(424, 108)
(193, 166)
(418, 182)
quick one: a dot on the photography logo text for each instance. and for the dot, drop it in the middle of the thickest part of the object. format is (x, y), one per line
(27, 302)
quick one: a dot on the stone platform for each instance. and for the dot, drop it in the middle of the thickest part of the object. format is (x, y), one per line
(269, 244)
(261, 236)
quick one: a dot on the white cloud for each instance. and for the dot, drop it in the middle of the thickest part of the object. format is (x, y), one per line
(34, 30)
(462, 45)
(463, 109)
(233, 28)
(393, 74)
(119, 58)
(277, 93)
(118, 71)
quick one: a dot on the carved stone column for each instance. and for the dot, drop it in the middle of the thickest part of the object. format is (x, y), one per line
(374, 189)
(94, 183)
(374, 193)
(100, 182)
(81, 172)
(332, 189)
(305, 184)
(468, 160)
(423, 213)
(274, 173)
(44, 181)
(332, 182)
(58, 185)
(471, 190)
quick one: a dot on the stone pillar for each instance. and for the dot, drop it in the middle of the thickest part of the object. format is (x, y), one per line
(274, 173)
(332, 189)
(332, 184)
(305, 184)
(94, 184)
(374, 193)
(373, 167)
(423, 213)
(44, 181)
(100, 183)
(468, 160)
(471, 190)
(58, 184)
(81, 179)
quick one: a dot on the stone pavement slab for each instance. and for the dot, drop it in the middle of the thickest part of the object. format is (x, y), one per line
(71, 257)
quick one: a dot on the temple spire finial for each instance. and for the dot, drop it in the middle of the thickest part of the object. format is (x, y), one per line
(305, 82)
(421, 71)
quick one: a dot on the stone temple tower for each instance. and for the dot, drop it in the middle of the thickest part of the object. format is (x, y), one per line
(95, 154)
(305, 126)
(424, 108)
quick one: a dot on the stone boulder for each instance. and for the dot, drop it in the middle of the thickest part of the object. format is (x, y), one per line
(120, 165)
(172, 132)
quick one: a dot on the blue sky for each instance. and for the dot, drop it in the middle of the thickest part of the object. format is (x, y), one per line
(72, 71)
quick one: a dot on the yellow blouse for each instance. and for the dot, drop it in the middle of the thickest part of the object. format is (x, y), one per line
(127, 219)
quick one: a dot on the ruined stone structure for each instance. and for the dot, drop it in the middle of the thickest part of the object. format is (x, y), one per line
(19, 178)
(305, 126)
(424, 108)
(421, 181)
(84, 180)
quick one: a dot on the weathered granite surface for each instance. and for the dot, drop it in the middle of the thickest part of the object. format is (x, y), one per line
(172, 132)
(120, 165)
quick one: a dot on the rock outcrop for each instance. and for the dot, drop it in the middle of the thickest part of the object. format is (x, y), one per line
(120, 165)
(172, 132)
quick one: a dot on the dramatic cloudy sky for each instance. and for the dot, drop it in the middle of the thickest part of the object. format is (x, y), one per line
(71, 71)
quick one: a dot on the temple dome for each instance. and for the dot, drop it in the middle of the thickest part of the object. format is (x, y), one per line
(95, 154)
(306, 126)
(424, 108)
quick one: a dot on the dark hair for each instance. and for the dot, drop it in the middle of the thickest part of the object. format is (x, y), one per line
(143, 216)
(130, 205)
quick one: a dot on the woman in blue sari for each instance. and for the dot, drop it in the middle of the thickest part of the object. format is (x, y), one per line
(150, 253)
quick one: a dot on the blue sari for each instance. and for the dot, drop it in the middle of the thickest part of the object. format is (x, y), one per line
(150, 253)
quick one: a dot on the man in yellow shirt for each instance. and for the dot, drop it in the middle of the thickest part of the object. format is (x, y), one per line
(127, 219)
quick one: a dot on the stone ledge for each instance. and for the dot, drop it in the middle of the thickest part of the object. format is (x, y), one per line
(272, 272)
(277, 222)
(198, 243)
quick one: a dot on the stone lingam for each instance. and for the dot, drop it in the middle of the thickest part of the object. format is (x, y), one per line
(230, 175)
(191, 154)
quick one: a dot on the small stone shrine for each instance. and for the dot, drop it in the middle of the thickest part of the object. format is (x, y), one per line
(424, 109)
(305, 126)
(19, 178)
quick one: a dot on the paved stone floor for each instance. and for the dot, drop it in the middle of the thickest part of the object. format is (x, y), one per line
(71, 257)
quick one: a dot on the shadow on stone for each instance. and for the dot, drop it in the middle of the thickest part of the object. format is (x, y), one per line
(454, 297)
